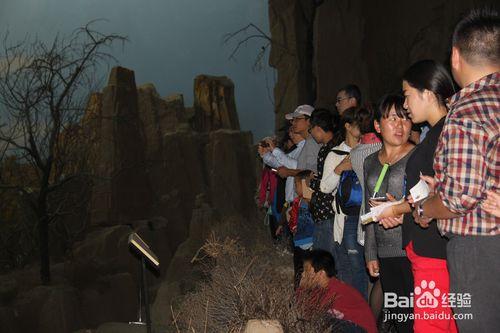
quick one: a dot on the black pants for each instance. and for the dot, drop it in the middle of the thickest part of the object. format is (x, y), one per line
(396, 277)
(273, 226)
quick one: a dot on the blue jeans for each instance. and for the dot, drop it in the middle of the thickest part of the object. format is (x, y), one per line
(350, 261)
(323, 236)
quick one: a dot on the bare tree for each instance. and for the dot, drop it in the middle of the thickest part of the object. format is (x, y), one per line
(241, 37)
(43, 91)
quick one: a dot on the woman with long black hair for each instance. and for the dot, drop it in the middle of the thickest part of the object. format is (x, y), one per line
(426, 85)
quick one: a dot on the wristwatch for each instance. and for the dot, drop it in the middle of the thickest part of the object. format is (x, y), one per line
(420, 209)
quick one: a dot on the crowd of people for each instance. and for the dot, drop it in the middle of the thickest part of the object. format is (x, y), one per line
(427, 260)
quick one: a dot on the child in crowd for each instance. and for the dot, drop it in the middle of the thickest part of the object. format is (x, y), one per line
(301, 223)
(344, 302)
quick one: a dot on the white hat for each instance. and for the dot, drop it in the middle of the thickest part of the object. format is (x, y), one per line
(305, 110)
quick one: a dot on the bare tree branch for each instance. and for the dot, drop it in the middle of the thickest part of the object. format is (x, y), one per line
(43, 92)
(256, 33)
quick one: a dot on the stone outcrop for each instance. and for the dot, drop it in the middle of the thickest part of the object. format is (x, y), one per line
(291, 25)
(156, 175)
(122, 195)
(214, 104)
(158, 116)
(338, 47)
(369, 43)
(229, 164)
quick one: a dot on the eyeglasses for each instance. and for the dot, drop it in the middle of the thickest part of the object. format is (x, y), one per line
(297, 118)
(341, 99)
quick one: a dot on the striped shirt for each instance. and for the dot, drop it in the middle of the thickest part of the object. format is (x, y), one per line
(466, 160)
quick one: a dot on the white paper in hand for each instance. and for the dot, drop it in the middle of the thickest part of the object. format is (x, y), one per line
(367, 218)
(377, 210)
(420, 191)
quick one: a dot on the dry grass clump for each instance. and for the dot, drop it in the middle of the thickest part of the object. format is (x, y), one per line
(243, 286)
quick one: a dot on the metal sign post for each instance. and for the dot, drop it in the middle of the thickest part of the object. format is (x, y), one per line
(145, 252)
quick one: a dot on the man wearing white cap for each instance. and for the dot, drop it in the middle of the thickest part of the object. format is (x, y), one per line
(307, 159)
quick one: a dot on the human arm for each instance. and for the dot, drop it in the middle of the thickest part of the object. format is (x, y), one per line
(309, 156)
(396, 210)
(371, 250)
(370, 240)
(435, 207)
(392, 216)
(262, 150)
(269, 159)
(461, 170)
(277, 158)
(285, 160)
(284, 172)
(330, 179)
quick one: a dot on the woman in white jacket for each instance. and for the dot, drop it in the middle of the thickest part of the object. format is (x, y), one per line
(349, 258)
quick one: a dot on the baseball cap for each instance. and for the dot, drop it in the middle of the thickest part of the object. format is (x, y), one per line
(301, 110)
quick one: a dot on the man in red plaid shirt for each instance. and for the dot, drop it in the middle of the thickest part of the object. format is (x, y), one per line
(467, 164)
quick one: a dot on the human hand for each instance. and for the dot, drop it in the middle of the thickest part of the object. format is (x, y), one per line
(271, 144)
(410, 200)
(375, 203)
(279, 230)
(262, 150)
(344, 165)
(431, 182)
(492, 203)
(391, 222)
(282, 172)
(390, 197)
(373, 268)
(421, 221)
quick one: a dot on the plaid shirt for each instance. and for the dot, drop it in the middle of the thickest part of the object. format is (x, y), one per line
(466, 160)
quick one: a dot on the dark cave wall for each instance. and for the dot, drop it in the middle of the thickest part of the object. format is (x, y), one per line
(369, 43)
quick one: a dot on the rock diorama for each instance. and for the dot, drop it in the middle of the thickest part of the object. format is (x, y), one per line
(320, 46)
(170, 172)
(160, 169)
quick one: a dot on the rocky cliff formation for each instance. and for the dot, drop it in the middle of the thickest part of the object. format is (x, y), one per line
(214, 104)
(369, 43)
(161, 170)
(291, 25)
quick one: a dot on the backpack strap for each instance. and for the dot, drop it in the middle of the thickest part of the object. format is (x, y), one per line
(337, 205)
(337, 195)
(339, 152)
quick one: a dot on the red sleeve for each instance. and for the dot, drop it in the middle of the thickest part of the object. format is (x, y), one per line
(263, 186)
(294, 215)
